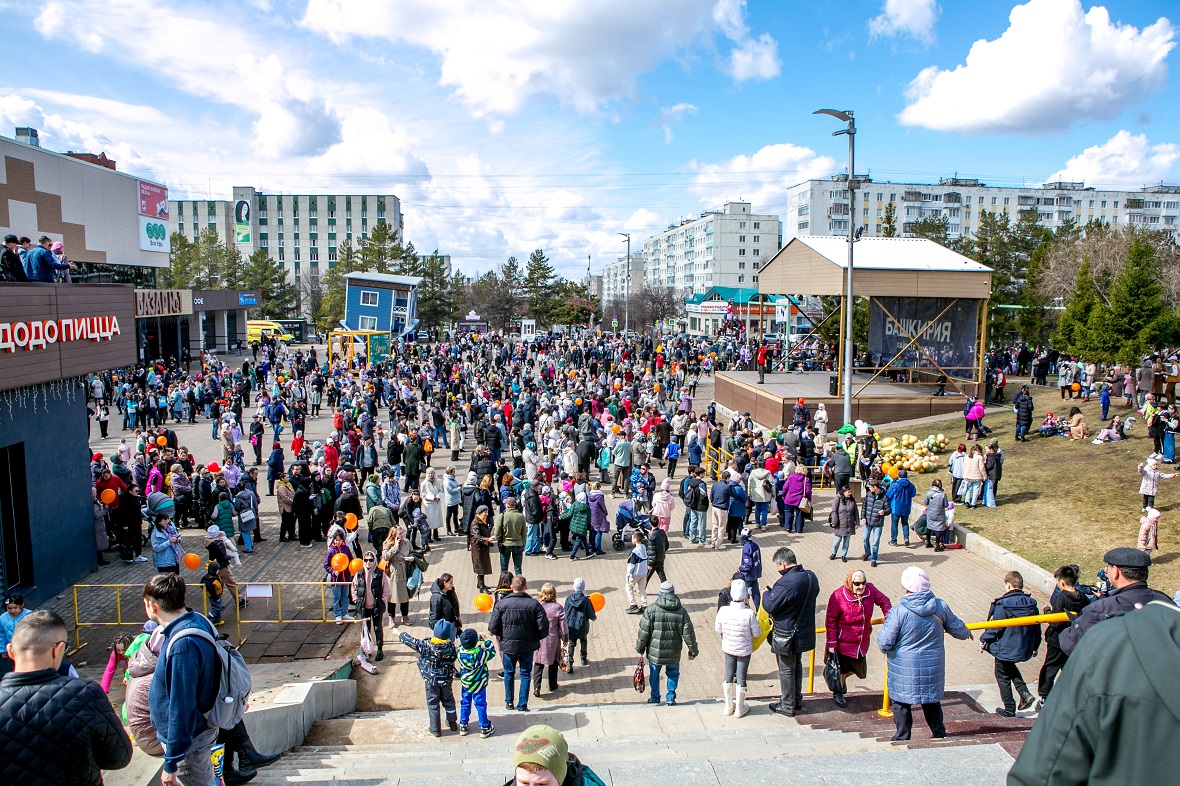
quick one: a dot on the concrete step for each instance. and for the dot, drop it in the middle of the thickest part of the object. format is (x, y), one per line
(685, 745)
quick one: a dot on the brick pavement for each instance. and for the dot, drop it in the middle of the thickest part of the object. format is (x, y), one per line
(965, 581)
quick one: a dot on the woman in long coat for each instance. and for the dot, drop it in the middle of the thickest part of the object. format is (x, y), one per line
(548, 655)
(395, 553)
(479, 542)
(936, 518)
(433, 493)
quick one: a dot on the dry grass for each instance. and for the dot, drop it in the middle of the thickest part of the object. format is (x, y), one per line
(1063, 502)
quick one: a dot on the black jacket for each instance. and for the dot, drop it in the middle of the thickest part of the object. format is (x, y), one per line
(11, 268)
(520, 622)
(444, 605)
(1018, 644)
(791, 602)
(1116, 603)
(58, 731)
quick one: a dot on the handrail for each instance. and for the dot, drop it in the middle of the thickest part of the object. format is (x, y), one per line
(1014, 622)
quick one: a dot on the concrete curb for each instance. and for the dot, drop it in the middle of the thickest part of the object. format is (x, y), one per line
(274, 728)
(1035, 577)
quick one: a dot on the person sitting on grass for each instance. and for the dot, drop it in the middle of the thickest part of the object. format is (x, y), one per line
(1077, 425)
(1116, 432)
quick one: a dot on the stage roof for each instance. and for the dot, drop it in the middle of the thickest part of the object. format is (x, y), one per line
(883, 266)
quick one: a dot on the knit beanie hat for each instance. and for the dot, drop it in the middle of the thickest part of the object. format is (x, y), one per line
(667, 588)
(468, 638)
(579, 585)
(914, 579)
(737, 590)
(542, 745)
(444, 630)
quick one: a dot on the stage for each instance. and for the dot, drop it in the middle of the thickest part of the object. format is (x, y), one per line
(771, 404)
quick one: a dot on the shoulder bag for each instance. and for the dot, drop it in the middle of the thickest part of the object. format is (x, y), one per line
(782, 640)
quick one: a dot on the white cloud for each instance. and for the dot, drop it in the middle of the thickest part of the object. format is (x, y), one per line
(761, 179)
(752, 58)
(1052, 67)
(1126, 160)
(914, 18)
(496, 54)
(673, 114)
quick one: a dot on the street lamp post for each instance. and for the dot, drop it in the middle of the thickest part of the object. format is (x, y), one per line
(847, 117)
(627, 286)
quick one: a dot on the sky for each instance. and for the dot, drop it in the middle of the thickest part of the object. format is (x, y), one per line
(509, 125)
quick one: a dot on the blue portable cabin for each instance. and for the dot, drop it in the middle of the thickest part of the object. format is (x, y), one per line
(382, 301)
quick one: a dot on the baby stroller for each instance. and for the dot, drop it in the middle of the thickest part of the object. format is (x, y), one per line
(627, 521)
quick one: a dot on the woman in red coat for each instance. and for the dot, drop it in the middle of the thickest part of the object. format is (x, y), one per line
(849, 623)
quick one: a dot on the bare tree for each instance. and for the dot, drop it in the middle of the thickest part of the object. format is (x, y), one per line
(309, 297)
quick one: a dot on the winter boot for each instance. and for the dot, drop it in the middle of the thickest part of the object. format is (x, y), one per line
(740, 706)
(248, 756)
(234, 777)
(727, 697)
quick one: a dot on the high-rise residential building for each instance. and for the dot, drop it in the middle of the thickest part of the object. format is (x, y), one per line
(822, 207)
(724, 247)
(301, 231)
(614, 278)
(594, 286)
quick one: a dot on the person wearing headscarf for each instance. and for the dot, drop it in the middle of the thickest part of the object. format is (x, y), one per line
(849, 625)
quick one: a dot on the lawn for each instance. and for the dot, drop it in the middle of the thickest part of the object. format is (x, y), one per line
(1063, 502)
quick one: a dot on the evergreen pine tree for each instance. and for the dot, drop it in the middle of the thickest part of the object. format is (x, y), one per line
(889, 225)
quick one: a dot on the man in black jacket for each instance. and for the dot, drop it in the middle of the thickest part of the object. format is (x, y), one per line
(40, 710)
(11, 268)
(791, 602)
(521, 624)
(1127, 570)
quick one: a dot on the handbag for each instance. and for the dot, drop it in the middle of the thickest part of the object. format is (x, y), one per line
(639, 678)
(832, 671)
(563, 662)
(805, 506)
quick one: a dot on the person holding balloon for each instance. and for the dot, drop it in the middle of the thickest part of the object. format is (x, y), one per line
(371, 592)
(580, 611)
(336, 562)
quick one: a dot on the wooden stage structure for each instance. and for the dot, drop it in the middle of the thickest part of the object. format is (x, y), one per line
(771, 404)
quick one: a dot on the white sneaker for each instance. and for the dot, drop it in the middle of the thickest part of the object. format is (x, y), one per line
(339, 621)
(141, 558)
(349, 618)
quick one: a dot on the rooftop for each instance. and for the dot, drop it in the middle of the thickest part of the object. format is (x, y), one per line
(385, 278)
(892, 253)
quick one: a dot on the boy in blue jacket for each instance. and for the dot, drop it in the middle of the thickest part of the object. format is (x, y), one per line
(751, 565)
(1011, 646)
(436, 664)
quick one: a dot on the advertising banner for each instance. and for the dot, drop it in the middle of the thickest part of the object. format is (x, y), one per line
(378, 347)
(241, 221)
(950, 341)
(153, 234)
(153, 200)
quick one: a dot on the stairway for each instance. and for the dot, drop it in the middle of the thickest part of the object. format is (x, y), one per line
(638, 744)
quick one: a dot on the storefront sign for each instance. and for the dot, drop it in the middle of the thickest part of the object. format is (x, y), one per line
(153, 200)
(247, 299)
(153, 234)
(163, 302)
(39, 334)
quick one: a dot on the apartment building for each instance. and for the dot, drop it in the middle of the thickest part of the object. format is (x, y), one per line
(614, 277)
(724, 247)
(822, 207)
(302, 231)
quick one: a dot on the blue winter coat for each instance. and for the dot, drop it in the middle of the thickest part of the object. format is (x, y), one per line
(751, 564)
(737, 500)
(1012, 644)
(901, 496)
(912, 640)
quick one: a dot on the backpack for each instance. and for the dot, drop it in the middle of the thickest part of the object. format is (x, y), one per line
(696, 497)
(232, 686)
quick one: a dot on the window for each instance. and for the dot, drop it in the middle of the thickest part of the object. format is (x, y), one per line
(1091, 203)
(741, 225)
(803, 225)
(1104, 204)
(296, 253)
(1116, 204)
(367, 323)
(756, 238)
(314, 254)
(741, 252)
(893, 197)
(754, 279)
(1006, 200)
(757, 224)
(741, 238)
(742, 279)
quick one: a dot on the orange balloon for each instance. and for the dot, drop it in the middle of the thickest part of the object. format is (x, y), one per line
(1075, 387)
(108, 496)
(192, 561)
(656, 388)
(597, 601)
(340, 562)
(616, 428)
(350, 521)
(483, 602)
(578, 401)
(161, 441)
(356, 566)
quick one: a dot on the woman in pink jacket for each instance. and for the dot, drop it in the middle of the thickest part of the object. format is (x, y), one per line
(662, 504)
(849, 624)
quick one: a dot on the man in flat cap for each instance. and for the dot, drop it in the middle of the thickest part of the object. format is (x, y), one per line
(1126, 569)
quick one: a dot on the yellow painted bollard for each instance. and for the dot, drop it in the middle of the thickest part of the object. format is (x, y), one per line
(811, 673)
(885, 711)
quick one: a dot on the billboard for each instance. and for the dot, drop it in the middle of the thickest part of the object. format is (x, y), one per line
(153, 234)
(949, 338)
(241, 221)
(153, 200)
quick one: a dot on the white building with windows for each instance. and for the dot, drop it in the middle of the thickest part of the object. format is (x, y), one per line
(822, 207)
(302, 231)
(614, 278)
(722, 248)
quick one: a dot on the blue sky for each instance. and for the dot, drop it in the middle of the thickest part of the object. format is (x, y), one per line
(506, 125)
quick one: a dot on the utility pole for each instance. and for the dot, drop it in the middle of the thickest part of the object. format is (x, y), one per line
(627, 286)
(847, 117)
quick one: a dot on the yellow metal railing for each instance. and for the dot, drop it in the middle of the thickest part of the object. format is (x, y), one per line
(1014, 622)
(241, 591)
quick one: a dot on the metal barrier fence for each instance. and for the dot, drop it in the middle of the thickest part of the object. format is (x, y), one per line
(297, 595)
(1015, 622)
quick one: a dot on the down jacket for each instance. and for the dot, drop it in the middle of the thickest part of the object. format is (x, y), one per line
(579, 613)
(738, 627)
(912, 640)
(520, 622)
(875, 507)
(844, 517)
(849, 619)
(664, 629)
(1012, 644)
(44, 715)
